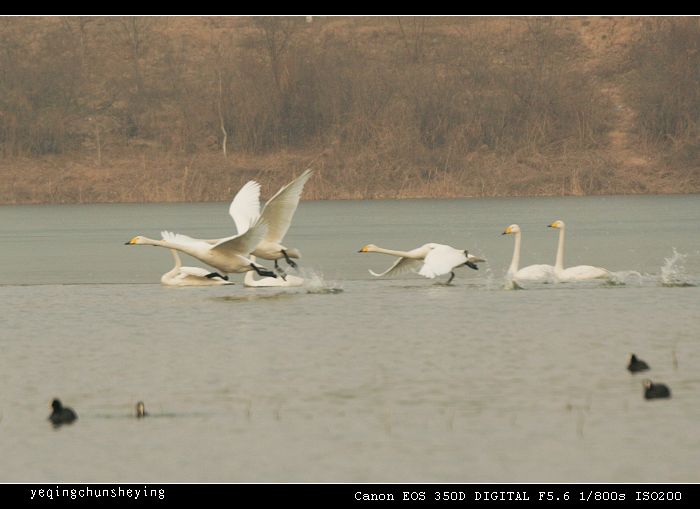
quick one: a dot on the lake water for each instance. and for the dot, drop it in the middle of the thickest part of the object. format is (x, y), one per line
(353, 378)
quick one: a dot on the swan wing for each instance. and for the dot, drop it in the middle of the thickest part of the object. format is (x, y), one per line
(400, 266)
(245, 243)
(535, 272)
(581, 272)
(279, 209)
(441, 260)
(245, 207)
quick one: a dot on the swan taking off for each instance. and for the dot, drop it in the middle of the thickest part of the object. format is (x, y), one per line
(288, 281)
(277, 213)
(529, 273)
(578, 273)
(192, 276)
(429, 260)
(228, 255)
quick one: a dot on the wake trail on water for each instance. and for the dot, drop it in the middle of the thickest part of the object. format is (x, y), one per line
(625, 277)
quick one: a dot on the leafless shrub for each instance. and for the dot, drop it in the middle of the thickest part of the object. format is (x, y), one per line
(385, 107)
(663, 86)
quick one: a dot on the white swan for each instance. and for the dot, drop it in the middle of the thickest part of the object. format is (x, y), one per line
(288, 281)
(578, 273)
(529, 273)
(429, 260)
(228, 255)
(277, 213)
(191, 276)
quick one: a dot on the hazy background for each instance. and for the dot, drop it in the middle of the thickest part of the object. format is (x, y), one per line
(133, 109)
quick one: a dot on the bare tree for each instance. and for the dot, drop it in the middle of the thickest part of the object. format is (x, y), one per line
(277, 35)
(220, 109)
(413, 41)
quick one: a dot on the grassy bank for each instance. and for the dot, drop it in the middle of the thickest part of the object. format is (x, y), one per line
(210, 177)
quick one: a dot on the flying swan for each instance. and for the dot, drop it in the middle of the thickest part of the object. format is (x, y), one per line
(529, 273)
(277, 213)
(289, 280)
(578, 273)
(228, 255)
(192, 276)
(429, 260)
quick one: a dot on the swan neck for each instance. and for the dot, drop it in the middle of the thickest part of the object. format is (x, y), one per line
(249, 279)
(392, 252)
(515, 263)
(559, 263)
(178, 263)
(172, 245)
(153, 242)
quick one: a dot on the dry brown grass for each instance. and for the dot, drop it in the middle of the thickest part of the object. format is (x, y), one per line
(117, 110)
(210, 177)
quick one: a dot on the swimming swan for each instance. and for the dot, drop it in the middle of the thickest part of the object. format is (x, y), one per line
(277, 213)
(529, 273)
(191, 276)
(289, 280)
(429, 260)
(578, 273)
(228, 255)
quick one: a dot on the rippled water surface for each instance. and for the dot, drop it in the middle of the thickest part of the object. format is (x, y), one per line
(351, 378)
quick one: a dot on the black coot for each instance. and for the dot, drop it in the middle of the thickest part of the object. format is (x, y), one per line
(61, 414)
(653, 391)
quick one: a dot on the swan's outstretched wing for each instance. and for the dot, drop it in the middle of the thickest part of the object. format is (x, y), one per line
(279, 209)
(400, 266)
(441, 260)
(243, 244)
(245, 207)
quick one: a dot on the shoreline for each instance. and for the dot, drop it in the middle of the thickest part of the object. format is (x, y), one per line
(416, 198)
(161, 177)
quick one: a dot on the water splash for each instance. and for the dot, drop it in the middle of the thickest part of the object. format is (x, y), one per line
(511, 284)
(315, 283)
(490, 280)
(673, 273)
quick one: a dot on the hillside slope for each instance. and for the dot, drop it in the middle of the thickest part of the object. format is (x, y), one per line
(188, 109)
